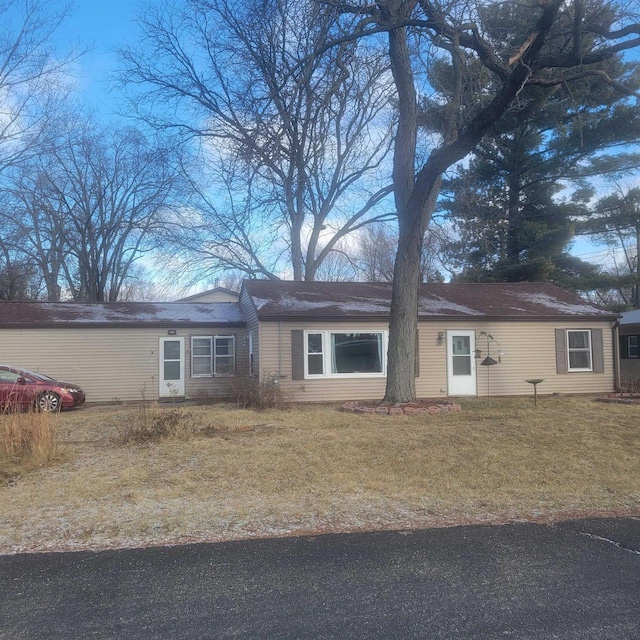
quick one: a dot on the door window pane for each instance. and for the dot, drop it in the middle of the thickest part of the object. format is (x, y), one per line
(461, 365)
(461, 345)
(172, 350)
(172, 370)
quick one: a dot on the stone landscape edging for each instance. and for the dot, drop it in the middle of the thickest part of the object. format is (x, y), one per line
(620, 398)
(427, 407)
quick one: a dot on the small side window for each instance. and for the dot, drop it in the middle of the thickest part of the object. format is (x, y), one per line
(224, 356)
(201, 357)
(579, 350)
(633, 349)
(315, 354)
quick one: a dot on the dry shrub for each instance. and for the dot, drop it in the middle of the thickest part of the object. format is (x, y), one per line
(630, 383)
(27, 439)
(249, 393)
(150, 424)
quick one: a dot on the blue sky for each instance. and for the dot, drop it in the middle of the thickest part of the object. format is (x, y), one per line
(101, 25)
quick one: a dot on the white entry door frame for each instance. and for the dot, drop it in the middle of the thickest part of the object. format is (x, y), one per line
(461, 363)
(171, 374)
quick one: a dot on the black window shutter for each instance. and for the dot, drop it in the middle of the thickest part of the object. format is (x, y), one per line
(297, 354)
(598, 351)
(561, 351)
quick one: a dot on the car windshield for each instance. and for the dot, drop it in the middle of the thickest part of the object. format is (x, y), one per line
(34, 374)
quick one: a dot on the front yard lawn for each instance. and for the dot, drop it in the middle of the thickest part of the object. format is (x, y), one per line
(235, 473)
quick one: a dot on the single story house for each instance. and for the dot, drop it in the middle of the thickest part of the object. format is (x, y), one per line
(319, 341)
(327, 341)
(630, 350)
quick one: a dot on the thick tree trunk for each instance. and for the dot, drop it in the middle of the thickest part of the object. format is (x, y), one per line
(403, 324)
(401, 383)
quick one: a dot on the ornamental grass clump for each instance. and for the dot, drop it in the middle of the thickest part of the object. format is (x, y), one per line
(27, 440)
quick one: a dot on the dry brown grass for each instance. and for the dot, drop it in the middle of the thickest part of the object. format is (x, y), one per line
(238, 473)
(27, 440)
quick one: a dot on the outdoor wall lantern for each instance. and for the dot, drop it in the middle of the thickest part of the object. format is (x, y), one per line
(440, 337)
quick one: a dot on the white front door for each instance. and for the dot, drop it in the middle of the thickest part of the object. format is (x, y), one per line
(461, 363)
(171, 376)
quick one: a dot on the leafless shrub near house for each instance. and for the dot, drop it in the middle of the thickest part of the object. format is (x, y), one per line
(154, 423)
(249, 393)
(630, 383)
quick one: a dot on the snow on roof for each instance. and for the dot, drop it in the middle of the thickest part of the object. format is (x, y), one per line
(280, 299)
(437, 305)
(119, 313)
(557, 306)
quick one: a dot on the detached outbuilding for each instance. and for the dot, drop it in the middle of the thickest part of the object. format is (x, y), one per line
(318, 341)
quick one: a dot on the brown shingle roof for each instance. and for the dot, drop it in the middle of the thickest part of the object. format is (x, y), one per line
(280, 299)
(113, 314)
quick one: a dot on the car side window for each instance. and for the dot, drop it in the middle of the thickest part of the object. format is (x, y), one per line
(8, 376)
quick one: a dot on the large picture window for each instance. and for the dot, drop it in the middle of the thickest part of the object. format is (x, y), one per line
(212, 355)
(579, 350)
(353, 354)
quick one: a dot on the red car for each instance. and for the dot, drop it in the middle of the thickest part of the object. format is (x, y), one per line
(28, 389)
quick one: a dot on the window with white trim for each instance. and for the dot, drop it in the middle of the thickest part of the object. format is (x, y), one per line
(212, 355)
(201, 357)
(224, 356)
(633, 347)
(345, 354)
(579, 350)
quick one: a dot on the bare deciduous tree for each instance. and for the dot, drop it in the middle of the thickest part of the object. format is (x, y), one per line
(33, 80)
(376, 254)
(90, 205)
(297, 139)
(33, 87)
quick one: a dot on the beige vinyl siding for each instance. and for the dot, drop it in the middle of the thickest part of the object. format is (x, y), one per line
(217, 387)
(529, 353)
(251, 318)
(110, 364)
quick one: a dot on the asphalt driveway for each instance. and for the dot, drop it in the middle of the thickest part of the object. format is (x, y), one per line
(577, 579)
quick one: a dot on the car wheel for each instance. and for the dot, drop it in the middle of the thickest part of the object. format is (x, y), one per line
(48, 402)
